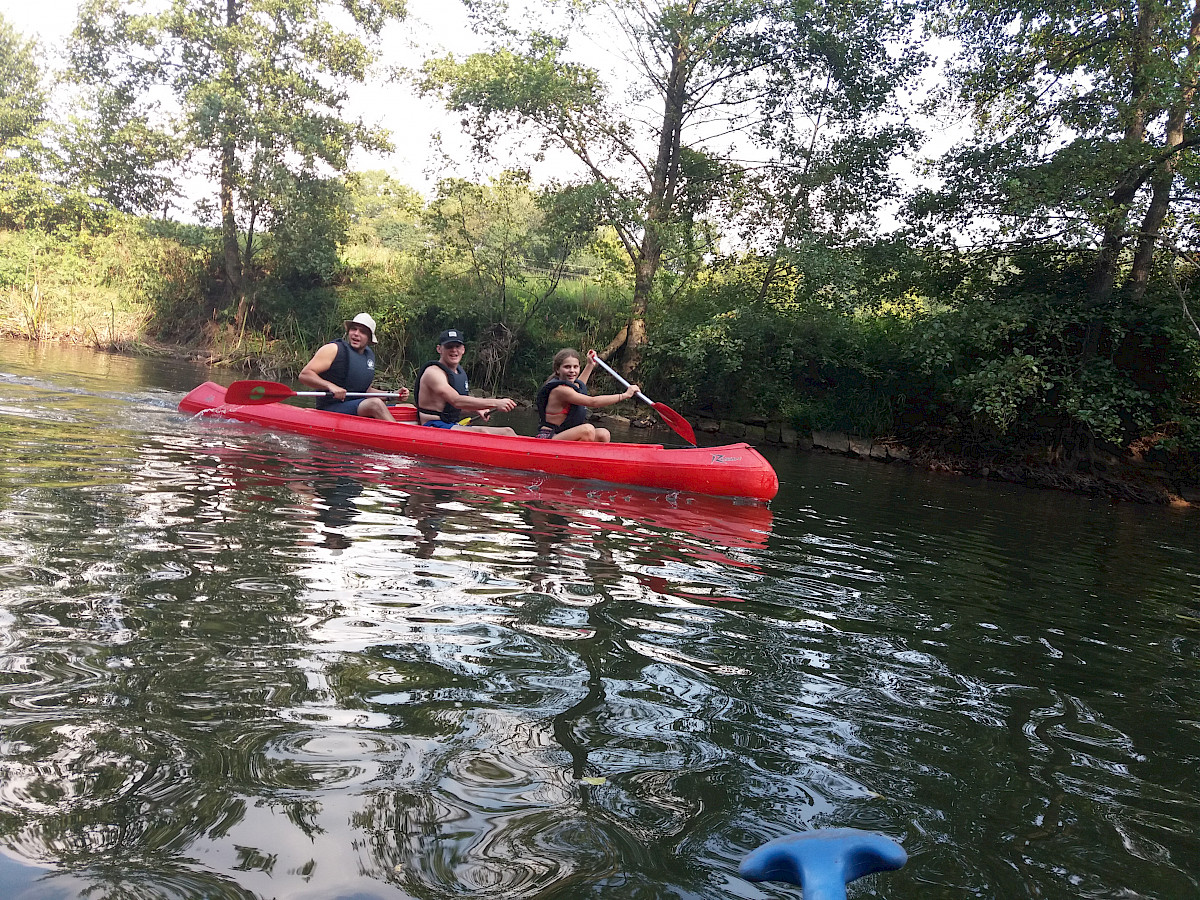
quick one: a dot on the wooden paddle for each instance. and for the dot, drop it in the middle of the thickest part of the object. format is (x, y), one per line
(251, 393)
(677, 422)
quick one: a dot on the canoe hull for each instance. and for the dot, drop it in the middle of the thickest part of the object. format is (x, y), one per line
(731, 470)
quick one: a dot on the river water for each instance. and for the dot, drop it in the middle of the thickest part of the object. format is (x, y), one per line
(237, 664)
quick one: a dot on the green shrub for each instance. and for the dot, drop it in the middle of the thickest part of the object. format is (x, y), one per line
(995, 358)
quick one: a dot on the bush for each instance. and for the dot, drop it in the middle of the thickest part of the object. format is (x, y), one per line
(995, 359)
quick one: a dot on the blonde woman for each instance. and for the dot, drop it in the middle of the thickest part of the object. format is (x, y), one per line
(563, 401)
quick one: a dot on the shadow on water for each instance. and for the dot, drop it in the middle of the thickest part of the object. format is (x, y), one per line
(241, 664)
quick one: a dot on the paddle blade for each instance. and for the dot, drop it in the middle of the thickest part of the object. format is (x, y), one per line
(677, 422)
(243, 393)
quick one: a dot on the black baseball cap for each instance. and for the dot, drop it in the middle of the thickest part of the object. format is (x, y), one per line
(451, 336)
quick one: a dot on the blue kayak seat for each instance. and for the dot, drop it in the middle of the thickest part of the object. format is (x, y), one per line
(823, 861)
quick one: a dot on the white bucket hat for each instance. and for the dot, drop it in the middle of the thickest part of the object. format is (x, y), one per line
(363, 319)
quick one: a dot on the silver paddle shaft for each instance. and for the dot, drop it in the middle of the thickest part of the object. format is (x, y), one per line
(595, 357)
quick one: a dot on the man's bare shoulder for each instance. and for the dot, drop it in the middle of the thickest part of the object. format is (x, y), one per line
(435, 373)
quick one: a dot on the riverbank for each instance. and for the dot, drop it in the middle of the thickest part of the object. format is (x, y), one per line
(1133, 478)
(1138, 477)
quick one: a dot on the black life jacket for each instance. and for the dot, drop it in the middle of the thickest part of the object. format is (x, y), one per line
(576, 415)
(351, 370)
(458, 381)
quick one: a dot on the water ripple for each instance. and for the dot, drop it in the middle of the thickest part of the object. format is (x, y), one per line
(238, 664)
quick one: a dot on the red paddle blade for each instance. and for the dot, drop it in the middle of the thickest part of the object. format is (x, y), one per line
(677, 422)
(242, 393)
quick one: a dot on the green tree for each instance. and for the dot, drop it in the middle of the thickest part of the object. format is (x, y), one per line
(836, 135)
(260, 84)
(1085, 117)
(383, 211)
(308, 222)
(23, 155)
(716, 72)
(111, 150)
(485, 231)
(512, 244)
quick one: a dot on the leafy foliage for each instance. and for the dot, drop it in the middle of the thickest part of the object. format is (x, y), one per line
(24, 194)
(746, 71)
(261, 87)
(22, 95)
(511, 246)
(384, 212)
(994, 363)
(113, 152)
(1084, 118)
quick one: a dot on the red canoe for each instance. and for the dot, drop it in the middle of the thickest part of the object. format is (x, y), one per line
(731, 470)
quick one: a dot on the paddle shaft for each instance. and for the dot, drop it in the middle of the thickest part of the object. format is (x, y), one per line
(595, 357)
(674, 420)
(349, 396)
(256, 392)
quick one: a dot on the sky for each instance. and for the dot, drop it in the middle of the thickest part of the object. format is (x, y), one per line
(431, 25)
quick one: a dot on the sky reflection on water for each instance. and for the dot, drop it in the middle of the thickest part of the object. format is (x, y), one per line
(238, 664)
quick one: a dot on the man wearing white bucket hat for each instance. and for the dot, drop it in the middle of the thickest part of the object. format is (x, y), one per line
(347, 365)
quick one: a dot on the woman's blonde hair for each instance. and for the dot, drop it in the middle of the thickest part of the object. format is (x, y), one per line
(561, 357)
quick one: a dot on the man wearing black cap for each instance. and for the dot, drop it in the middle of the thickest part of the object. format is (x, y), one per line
(348, 365)
(442, 390)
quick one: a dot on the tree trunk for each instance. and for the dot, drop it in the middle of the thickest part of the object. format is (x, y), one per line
(229, 236)
(768, 277)
(660, 204)
(234, 288)
(1143, 258)
(1104, 272)
(643, 282)
(1164, 178)
(615, 344)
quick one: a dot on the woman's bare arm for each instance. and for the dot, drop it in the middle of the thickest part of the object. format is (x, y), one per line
(567, 396)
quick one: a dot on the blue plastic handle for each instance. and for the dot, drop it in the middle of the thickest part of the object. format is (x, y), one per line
(823, 861)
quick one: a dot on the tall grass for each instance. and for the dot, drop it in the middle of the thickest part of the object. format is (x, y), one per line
(88, 288)
(32, 310)
(141, 285)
